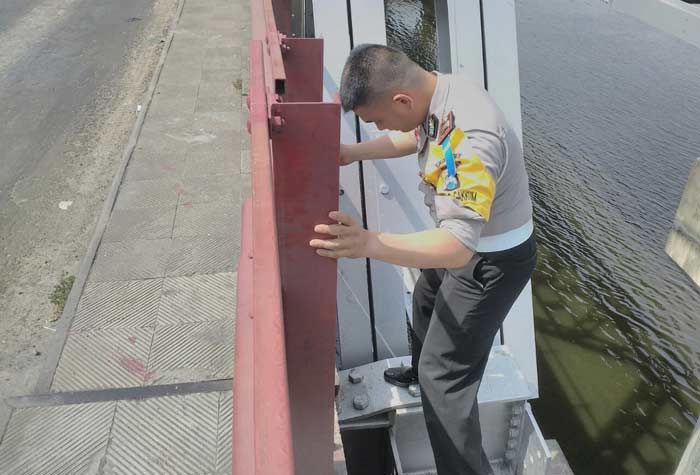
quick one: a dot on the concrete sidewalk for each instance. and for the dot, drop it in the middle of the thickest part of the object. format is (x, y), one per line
(144, 370)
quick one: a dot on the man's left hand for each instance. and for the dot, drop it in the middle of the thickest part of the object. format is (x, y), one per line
(351, 240)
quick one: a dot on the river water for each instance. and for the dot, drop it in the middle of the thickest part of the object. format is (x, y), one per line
(611, 125)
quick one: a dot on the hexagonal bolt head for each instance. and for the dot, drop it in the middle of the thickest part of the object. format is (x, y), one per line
(355, 377)
(414, 390)
(360, 402)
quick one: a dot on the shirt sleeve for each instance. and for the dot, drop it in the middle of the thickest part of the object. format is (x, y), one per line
(465, 190)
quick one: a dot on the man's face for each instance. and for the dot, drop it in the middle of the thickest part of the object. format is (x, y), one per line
(394, 113)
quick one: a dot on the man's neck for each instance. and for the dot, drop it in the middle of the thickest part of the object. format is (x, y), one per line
(427, 92)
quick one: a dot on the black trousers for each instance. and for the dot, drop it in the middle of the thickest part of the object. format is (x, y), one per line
(456, 316)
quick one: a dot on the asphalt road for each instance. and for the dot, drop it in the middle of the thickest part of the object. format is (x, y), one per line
(72, 73)
(54, 58)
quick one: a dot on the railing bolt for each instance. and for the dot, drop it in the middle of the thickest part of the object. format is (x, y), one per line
(355, 377)
(342, 192)
(360, 402)
(277, 123)
(384, 189)
(414, 390)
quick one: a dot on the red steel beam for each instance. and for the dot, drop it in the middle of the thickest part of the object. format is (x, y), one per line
(271, 420)
(243, 388)
(306, 170)
(283, 16)
(303, 69)
(264, 28)
(284, 391)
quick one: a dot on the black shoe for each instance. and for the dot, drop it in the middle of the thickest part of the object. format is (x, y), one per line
(402, 376)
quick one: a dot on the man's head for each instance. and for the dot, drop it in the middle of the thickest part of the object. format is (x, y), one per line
(382, 85)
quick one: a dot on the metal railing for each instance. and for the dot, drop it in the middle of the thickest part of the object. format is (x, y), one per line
(286, 304)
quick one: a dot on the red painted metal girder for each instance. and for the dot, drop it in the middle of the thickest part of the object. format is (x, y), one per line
(271, 421)
(264, 28)
(243, 389)
(306, 170)
(283, 16)
(303, 67)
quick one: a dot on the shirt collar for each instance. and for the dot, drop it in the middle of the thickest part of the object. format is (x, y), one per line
(437, 102)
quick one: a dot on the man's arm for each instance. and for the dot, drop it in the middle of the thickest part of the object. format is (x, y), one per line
(434, 248)
(388, 146)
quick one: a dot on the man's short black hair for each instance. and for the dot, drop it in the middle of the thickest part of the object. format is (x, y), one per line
(371, 71)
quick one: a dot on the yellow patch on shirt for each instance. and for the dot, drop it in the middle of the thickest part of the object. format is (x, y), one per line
(476, 187)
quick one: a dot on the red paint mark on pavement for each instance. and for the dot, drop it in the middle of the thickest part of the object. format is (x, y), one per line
(169, 168)
(132, 340)
(179, 188)
(135, 367)
(187, 205)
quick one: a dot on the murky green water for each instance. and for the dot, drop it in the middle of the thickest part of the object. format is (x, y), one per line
(611, 114)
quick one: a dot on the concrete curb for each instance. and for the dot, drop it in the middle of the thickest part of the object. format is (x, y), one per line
(59, 338)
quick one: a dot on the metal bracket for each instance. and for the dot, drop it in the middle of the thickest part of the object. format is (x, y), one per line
(277, 123)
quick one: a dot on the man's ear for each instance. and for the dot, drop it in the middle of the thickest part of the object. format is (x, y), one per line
(403, 99)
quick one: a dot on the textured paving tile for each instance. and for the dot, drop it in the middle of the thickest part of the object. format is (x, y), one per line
(197, 351)
(198, 298)
(174, 99)
(206, 189)
(130, 260)
(56, 440)
(223, 88)
(164, 125)
(180, 74)
(213, 162)
(149, 223)
(102, 359)
(128, 304)
(202, 256)
(217, 104)
(222, 58)
(168, 435)
(215, 219)
(144, 167)
(219, 156)
(220, 75)
(213, 121)
(162, 193)
(223, 449)
(160, 143)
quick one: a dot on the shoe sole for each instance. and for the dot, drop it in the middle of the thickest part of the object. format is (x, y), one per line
(397, 383)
